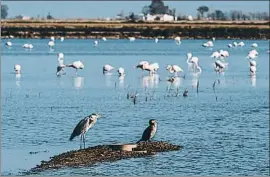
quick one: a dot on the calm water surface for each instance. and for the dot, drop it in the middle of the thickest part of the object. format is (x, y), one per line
(229, 136)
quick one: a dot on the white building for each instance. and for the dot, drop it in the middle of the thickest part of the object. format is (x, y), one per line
(161, 17)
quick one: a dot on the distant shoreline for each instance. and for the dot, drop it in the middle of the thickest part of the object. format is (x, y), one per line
(93, 29)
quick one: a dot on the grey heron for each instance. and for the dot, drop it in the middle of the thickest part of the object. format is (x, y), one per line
(150, 131)
(83, 126)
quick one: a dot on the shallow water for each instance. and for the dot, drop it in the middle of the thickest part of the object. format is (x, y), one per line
(227, 136)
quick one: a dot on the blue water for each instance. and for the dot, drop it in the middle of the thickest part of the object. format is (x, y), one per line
(227, 136)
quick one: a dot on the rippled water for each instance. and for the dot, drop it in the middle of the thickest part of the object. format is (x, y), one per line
(227, 136)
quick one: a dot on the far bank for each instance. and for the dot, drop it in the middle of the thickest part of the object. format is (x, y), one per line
(82, 29)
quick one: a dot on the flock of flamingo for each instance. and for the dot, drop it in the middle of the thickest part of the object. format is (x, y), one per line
(192, 61)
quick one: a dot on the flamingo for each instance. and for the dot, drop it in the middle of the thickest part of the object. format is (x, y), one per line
(177, 40)
(235, 44)
(107, 68)
(251, 56)
(11, 37)
(62, 39)
(51, 44)
(254, 45)
(8, 43)
(252, 70)
(95, 43)
(104, 39)
(140, 65)
(52, 38)
(28, 46)
(224, 53)
(17, 69)
(252, 63)
(219, 66)
(215, 54)
(121, 71)
(61, 64)
(76, 65)
(131, 39)
(152, 68)
(174, 69)
(241, 44)
(254, 52)
(230, 45)
(156, 40)
(191, 60)
(208, 44)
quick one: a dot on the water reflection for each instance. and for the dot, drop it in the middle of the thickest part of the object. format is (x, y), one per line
(253, 80)
(195, 79)
(18, 82)
(150, 81)
(121, 81)
(78, 82)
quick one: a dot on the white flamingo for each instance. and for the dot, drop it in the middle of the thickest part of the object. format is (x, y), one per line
(61, 65)
(252, 63)
(241, 44)
(62, 39)
(174, 69)
(17, 69)
(254, 45)
(52, 38)
(230, 45)
(131, 39)
(208, 44)
(51, 44)
(121, 71)
(28, 46)
(95, 43)
(76, 65)
(141, 63)
(9, 43)
(224, 53)
(107, 68)
(156, 40)
(104, 39)
(192, 61)
(152, 68)
(215, 54)
(220, 66)
(252, 70)
(235, 44)
(251, 56)
(177, 40)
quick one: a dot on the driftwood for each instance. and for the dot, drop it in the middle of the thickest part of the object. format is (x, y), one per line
(102, 153)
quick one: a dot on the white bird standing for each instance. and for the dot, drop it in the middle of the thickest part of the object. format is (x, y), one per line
(121, 71)
(61, 65)
(76, 65)
(230, 45)
(52, 38)
(104, 39)
(107, 68)
(156, 40)
(174, 69)
(62, 39)
(17, 69)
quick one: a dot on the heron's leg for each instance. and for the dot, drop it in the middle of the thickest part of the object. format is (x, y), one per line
(81, 142)
(84, 141)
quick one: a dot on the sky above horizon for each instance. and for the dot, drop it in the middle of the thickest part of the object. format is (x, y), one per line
(101, 9)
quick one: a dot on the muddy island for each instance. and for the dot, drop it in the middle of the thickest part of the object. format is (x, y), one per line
(96, 29)
(102, 153)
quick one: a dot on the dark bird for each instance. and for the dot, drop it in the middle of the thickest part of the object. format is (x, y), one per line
(185, 93)
(150, 131)
(83, 126)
